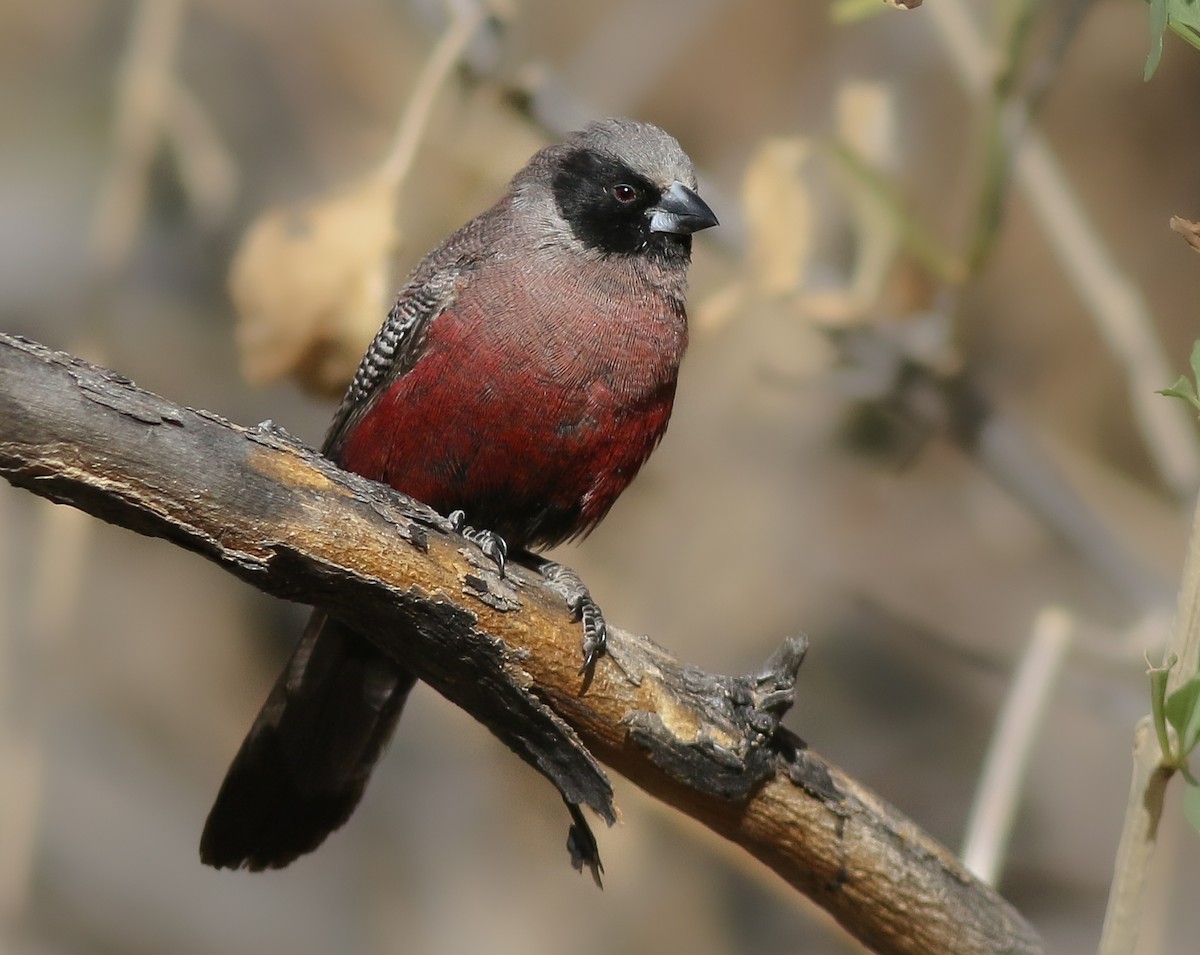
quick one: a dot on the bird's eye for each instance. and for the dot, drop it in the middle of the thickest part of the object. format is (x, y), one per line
(624, 194)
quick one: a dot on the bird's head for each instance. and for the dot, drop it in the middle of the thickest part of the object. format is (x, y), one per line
(626, 188)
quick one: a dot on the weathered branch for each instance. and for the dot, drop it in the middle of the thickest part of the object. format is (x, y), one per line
(290, 523)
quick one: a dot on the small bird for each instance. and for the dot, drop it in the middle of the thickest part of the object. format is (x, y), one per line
(524, 375)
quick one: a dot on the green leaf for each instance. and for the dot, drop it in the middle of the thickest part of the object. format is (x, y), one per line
(1183, 17)
(1184, 12)
(1182, 711)
(1181, 389)
(1187, 32)
(1158, 26)
(1191, 806)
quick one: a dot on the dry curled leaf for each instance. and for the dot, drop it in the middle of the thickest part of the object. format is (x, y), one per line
(309, 284)
(1188, 229)
(778, 215)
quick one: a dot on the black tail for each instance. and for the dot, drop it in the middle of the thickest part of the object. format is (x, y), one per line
(306, 760)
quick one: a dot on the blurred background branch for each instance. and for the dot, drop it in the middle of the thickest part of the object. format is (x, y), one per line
(1121, 314)
(143, 97)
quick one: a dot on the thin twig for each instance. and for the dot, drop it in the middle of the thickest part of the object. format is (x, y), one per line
(207, 170)
(464, 21)
(1017, 729)
(1010, 116)
(143, 92)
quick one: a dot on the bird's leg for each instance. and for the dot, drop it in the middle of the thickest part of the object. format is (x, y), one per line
(492, 544)
(579, 601)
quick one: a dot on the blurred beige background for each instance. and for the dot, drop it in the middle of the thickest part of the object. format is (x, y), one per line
(129, 670)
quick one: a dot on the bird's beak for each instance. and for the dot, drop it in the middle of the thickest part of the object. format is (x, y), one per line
(680, 211)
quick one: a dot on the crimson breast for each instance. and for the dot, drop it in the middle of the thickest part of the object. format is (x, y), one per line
(532, 423)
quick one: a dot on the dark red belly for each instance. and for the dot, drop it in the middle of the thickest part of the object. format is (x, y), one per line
(524, 446)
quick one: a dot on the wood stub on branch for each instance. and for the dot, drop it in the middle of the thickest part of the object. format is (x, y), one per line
(287, 521)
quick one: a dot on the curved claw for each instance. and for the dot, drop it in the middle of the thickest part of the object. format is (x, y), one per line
(579, 602)
(493, 546)
(595, 632)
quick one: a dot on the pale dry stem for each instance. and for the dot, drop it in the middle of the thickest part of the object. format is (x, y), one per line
(1017, 730)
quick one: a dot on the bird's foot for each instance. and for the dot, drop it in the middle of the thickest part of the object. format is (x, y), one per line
(492, 544)
(579, 601)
